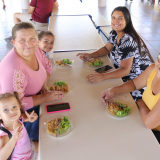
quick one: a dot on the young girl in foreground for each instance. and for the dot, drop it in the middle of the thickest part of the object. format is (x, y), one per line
(10, 115)
(46, 41)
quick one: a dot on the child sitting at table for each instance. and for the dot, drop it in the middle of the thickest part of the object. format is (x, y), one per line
(14, 140)
(46, 41)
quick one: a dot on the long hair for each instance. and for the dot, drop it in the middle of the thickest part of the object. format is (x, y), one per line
(129, 29)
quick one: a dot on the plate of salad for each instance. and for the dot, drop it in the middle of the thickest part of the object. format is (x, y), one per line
(95, 62)
(51, 125)
(118, 108)
(59, 85)
(66, 62)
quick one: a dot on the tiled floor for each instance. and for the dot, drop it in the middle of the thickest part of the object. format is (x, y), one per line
(145, 17)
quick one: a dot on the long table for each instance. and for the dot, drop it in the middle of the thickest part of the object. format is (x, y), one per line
(74, 33)
(70, 7)
(75, 8)
(96, 135)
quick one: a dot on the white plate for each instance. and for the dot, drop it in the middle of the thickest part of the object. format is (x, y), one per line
(121, 101)
(63, 66)
(52, 81)
(101, 59)
(65, 132)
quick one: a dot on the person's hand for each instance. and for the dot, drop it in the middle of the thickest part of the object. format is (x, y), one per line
(30, 117)
(84, 56)
(94, 78)
(44, 88)
(53, 96)
(106, 94)
(17, 128)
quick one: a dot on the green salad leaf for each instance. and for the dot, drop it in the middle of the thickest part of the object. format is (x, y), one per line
(98, 63)
(67, 61)
(65, 123)
(124, 112)
(121, 104)
(59, 83)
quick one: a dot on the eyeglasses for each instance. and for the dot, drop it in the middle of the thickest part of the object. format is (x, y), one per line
(158, 58)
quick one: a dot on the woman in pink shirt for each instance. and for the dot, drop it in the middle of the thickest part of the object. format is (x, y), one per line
(26, 69)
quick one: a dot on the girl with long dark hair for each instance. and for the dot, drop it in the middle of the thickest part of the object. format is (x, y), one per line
(127, 50)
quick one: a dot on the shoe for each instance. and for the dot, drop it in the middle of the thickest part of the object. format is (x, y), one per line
(8, 39)
(4, 6)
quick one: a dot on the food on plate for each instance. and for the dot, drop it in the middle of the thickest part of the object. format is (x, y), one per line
(60, 86)
(118, 109)
(52, 125)
(95, 62)
(63, 63)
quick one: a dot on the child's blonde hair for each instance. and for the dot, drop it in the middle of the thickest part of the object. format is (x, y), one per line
(8, 95)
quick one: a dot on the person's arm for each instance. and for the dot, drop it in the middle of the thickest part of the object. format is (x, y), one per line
(135, 84)
(141, 80)
(47, 97)
(113, 74)
(31, 10)
(56, 5)
(124, 70)
(151, 119)
(101, 52)
(129, 86)
(7, 145)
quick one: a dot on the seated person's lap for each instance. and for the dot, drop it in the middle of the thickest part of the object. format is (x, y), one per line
(33, 128)
(25, 17)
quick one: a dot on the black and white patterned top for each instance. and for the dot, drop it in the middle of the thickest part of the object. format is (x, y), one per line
(128, 48)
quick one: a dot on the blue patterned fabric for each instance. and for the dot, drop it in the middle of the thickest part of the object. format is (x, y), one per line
(33, 128)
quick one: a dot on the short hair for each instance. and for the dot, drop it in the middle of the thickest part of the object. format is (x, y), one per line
(20, 26)
(44, 33)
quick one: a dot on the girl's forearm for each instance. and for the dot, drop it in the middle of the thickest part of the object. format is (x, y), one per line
(6, 151)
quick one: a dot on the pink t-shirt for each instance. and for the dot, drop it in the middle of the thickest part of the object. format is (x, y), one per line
(15, 75)
(23, 148)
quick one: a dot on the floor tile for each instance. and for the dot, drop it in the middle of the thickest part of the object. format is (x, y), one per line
(150, 36)
(154, 53)
(145, 29)
(155, 44)
(149, 46)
